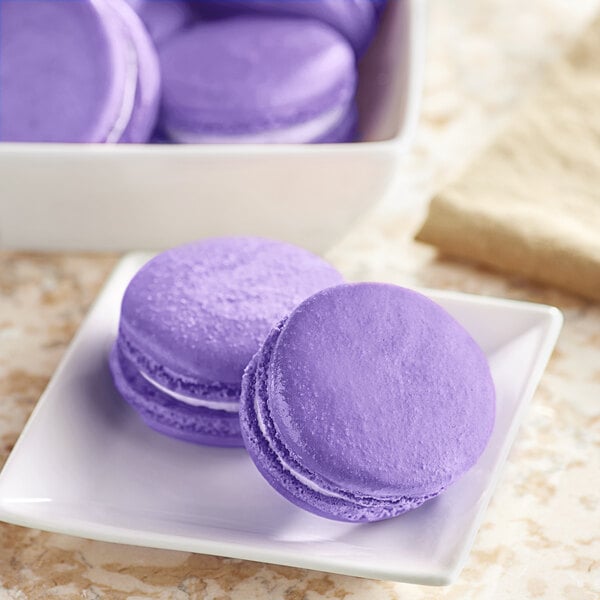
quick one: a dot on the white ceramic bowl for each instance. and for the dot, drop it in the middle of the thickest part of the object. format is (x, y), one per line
(117, 197)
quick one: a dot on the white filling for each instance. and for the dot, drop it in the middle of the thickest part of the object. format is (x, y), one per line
(212, 404)
(298, 476)
(295, 134)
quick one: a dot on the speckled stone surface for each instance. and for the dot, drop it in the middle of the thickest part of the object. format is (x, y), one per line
(541, 534)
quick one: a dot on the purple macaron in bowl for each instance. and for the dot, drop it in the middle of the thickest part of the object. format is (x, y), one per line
(193, 317)
(365, 402)
(76, 71)
(258, 79)
(356, 20)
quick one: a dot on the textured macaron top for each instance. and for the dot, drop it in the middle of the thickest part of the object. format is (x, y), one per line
(378, 390)
(254, 72)
(61, 71)
(201, 310)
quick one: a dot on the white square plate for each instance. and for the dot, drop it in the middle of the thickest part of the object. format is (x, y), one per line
(85, 465)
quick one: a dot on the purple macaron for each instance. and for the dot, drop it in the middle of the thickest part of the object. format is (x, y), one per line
(258, 79)
(76, 71)
(191, 320)
(356, 20)
(366, 401)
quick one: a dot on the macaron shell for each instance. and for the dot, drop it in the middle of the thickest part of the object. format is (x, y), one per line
(247, 74)
(203, 309)
(193, 387)
(62, 75)
(267, 453)
(378, 389)
(354, 19)
(145, 103)
(168, 416)
(339, 126)
(344, 132)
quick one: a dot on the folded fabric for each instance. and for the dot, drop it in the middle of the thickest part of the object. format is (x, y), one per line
(530, 205)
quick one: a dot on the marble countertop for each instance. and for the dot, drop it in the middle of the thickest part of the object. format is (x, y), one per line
(541, 534)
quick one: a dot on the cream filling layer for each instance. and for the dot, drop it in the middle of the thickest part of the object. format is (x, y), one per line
(231, 407)
(297, 476)
(295, 134)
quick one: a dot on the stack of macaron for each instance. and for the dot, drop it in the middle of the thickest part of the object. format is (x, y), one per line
(222, 71)
(356, 402)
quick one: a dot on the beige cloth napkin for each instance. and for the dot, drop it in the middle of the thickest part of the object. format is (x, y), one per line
(530, 204)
